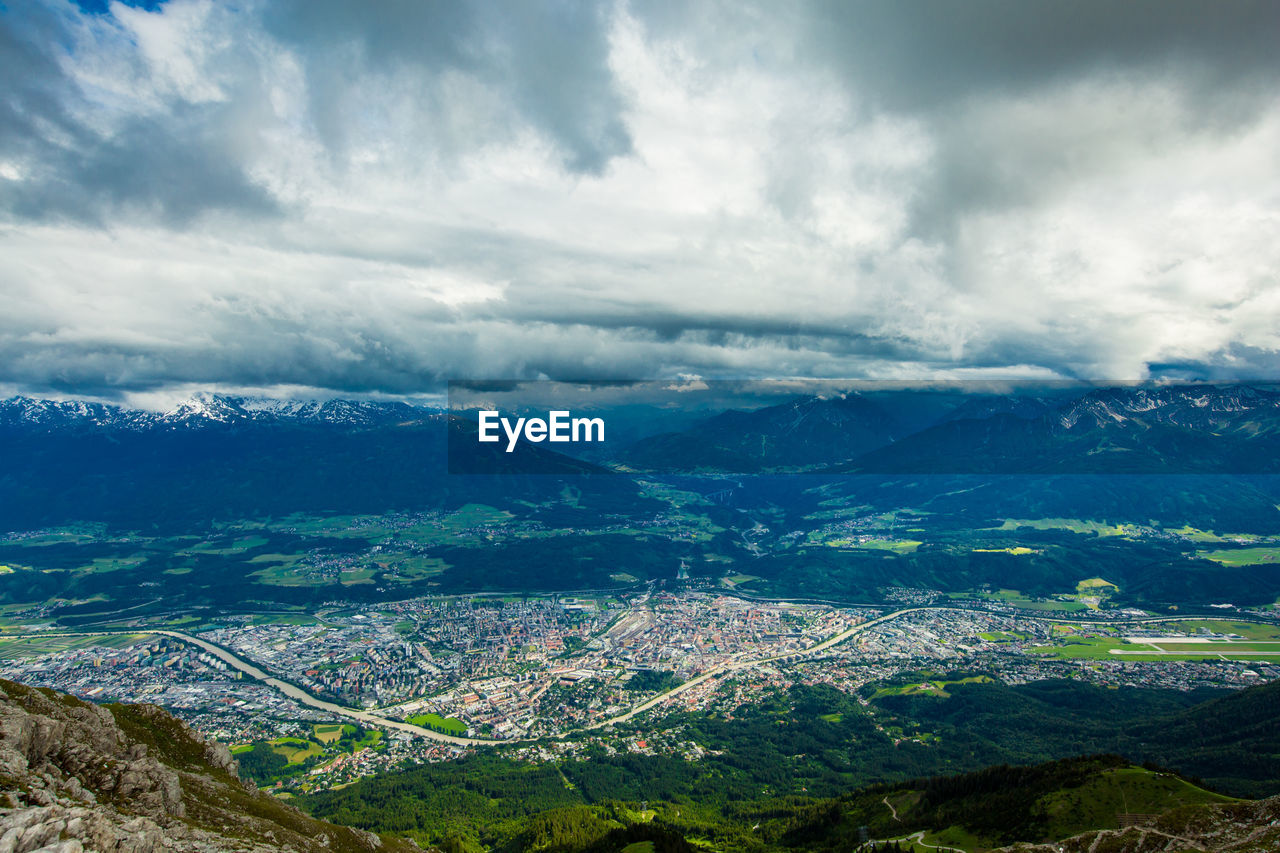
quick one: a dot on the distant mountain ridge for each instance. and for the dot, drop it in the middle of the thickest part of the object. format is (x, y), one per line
(803, 432)
(1123, 429)
(216, 457)
(1179, 429)
(206, 410)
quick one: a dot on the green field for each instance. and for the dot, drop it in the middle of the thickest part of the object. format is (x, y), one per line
(1002, 636)
(929, 688)
(349, 577)
(1074, 647)
(24, 649)
(329, 734)
(1075, 525)
(115, 564)
(1248, 630)
(448, 725)
(1242, 556)
(280, 570)
(1131, 789)
(416, 568)
(1017, 550)
(897, 546)
(1089, 584)
(238, 546)
(295, 750)
(1018, 599)
(1196, 535)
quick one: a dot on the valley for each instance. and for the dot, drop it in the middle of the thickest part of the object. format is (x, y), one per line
(772, 654)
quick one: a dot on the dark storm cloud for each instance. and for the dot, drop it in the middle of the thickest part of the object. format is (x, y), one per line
(947, 62)
(549, 57)
(925, 55)
(167, 168)
(35, 86)
(171, 171)
(376, 197)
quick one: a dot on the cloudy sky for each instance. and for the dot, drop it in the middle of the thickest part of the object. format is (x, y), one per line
(323, 197)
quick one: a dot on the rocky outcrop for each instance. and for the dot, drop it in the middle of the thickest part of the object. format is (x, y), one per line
(132, 779)
(1246, 827)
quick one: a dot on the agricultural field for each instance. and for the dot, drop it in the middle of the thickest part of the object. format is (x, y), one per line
(12, 648)
(411, 569)
(237, 546)
(929, 688)
(1243, 556)
(1016, 598)
(1226, 627)
(330, 734)
(280, 570)
(1074, 525)
(295, 750)
(1192, 534)
(897, 546)
(115, 564)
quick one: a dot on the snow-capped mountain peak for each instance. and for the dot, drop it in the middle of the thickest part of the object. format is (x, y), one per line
(204, 410)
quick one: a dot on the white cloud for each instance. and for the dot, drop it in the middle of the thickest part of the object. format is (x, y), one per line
(224, 199)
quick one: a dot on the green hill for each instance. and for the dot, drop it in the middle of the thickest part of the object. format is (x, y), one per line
(973, 811)
(996, 806)
(786, 762)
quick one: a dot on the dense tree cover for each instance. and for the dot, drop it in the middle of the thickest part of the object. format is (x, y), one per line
(775, 761)
(1232, 741)
(652, 681)
(261, 763)
(479, 797)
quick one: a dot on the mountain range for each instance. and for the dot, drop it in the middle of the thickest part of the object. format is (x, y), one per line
(1124, 429)
(217, 457)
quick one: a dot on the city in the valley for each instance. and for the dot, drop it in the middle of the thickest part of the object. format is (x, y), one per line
(347, 691)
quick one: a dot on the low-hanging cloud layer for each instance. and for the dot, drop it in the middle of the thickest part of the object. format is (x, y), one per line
(374, 197)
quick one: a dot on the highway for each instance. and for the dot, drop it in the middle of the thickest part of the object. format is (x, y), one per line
(295, 692)
(735, 666)
(373, 719)
(290, 690)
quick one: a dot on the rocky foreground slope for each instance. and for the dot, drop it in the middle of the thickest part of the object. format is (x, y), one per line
(130, 778)
(1245, 827)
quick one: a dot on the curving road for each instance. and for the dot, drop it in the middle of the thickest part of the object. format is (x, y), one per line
(295, 692)
(302, 696)
(734, 666)
(290, 690)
